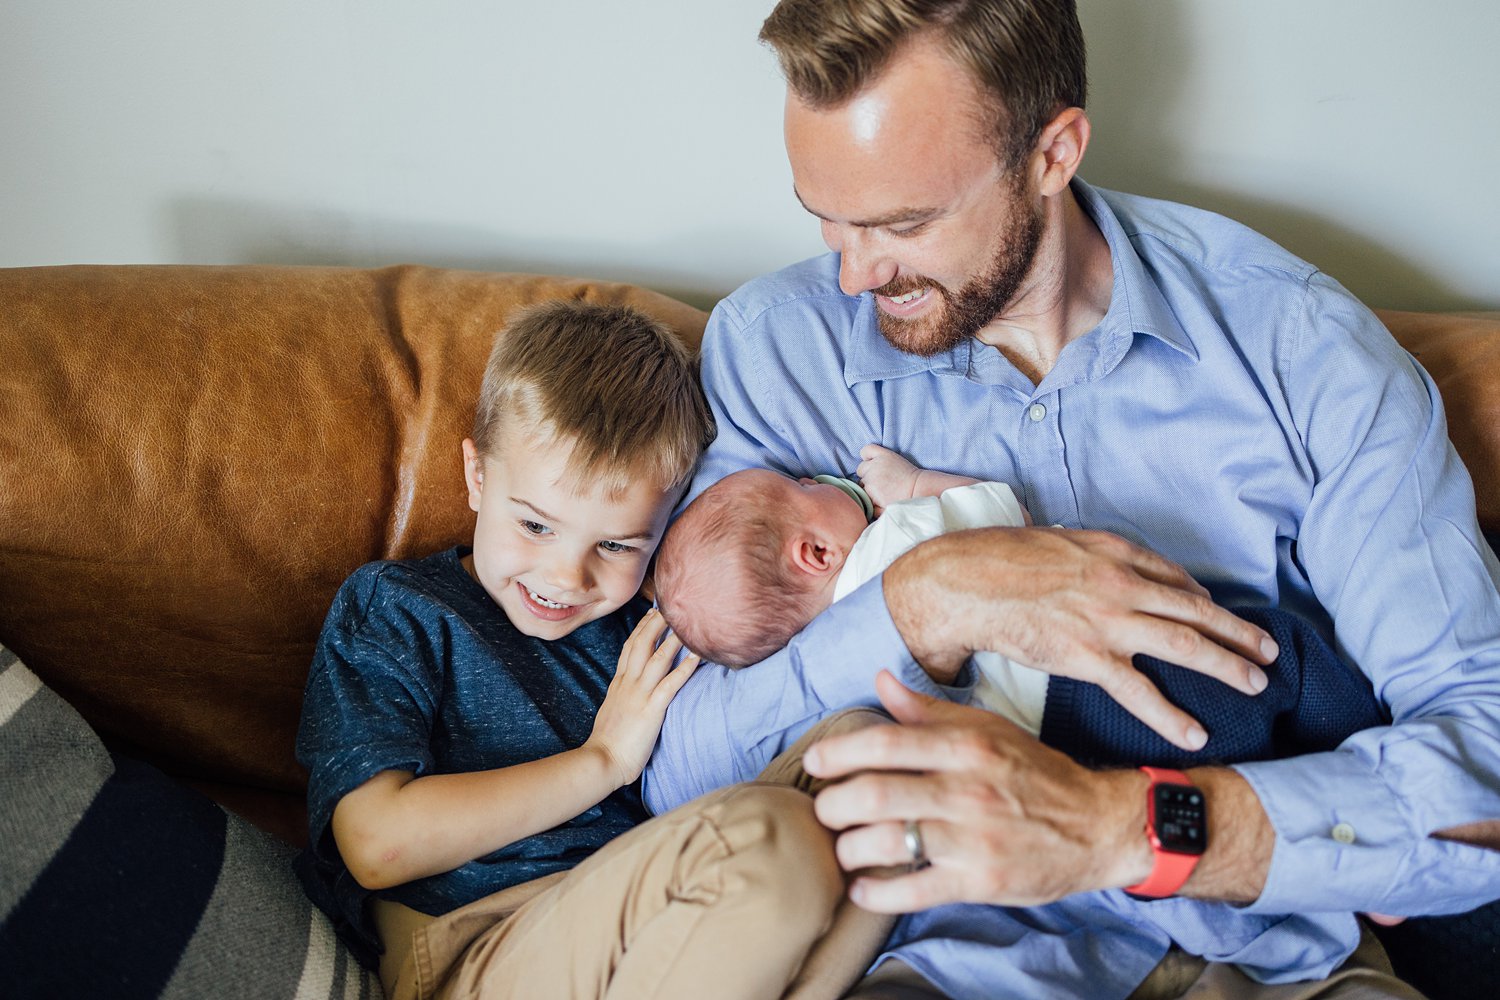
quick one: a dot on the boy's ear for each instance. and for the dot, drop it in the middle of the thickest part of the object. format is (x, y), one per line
(473, 473)
(809, 555)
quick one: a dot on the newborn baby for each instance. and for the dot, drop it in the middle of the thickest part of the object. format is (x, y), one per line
(758, 555)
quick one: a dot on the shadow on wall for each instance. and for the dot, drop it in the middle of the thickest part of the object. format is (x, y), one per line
(211, 231)
(1374, 273)
(1140, 57)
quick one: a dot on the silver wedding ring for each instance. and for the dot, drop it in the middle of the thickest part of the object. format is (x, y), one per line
(914, 845)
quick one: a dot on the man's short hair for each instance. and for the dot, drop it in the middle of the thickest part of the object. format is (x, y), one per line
(1027, 56)
(618, 386)
(722, 579)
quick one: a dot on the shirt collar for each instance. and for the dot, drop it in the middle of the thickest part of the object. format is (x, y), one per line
(871, 357)
(1136, 306)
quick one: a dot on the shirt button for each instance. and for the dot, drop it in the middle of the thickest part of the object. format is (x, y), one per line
(1037, 412)
(1343, 833)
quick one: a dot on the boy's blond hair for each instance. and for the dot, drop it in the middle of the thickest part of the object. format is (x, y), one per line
(612, 382)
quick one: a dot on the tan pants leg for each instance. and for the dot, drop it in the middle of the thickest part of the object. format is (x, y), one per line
(1366, 975)
(839, 957)
(895, 980)
(721, 898)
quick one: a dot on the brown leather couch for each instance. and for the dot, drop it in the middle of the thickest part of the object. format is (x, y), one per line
(193, 458)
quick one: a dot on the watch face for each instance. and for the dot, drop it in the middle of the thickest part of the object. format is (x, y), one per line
(1180, 818)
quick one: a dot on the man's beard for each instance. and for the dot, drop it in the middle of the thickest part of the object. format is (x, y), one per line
(969, 310)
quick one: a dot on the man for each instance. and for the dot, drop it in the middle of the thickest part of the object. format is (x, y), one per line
(1154, 374)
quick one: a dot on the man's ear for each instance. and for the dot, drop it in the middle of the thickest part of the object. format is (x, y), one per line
(1059, 150)
(473, 473)
(809, 554)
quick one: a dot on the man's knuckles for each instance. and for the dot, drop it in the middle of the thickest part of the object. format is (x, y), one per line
(1183, 643)
(1129, 688)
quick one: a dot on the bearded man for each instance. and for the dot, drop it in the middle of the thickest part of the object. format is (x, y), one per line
(1199, 416)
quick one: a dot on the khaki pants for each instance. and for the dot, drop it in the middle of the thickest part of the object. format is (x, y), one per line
(736, 894)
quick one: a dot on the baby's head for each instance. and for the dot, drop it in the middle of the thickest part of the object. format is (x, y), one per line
(751, 561)
(590, 421)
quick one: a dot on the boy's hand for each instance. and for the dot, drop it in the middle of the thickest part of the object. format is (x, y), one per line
(630, 719)
(886, 476)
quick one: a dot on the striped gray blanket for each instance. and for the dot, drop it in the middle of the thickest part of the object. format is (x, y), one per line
(118, 882)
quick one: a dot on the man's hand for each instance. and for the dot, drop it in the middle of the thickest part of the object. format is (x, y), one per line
(1003, 818)
(1072, 603)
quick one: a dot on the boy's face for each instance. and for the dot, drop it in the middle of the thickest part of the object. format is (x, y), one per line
(552, 558)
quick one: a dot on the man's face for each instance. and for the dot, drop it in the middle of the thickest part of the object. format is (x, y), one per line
(912, 195)
(552, 556)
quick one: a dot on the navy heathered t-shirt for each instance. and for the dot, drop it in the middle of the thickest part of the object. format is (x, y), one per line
(417, 669)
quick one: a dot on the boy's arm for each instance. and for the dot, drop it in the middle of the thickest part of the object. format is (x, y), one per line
(395, 827)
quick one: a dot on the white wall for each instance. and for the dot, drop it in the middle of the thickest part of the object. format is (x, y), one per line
(641, 140)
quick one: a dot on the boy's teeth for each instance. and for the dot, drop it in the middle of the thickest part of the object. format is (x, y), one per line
(544, 602)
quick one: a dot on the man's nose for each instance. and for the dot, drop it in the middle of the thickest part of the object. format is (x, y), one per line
(861, 265)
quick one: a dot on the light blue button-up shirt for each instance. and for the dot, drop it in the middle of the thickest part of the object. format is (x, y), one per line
(1237, 411)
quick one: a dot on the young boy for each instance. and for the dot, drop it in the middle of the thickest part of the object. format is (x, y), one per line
(471, 738)
(758, 555)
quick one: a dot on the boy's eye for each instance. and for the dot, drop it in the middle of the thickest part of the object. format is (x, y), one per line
(616, 547)
(533, 528)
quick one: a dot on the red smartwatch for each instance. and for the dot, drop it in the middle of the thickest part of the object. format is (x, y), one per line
(1177, 826)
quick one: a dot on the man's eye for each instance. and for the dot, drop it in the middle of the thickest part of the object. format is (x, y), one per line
(616, 547)
(533, 528)
(909, 230)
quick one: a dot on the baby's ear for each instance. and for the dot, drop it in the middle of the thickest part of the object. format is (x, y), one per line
(808, 554)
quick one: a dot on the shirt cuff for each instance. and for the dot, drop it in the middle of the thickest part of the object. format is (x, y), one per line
(1346, 840)
(862, 633)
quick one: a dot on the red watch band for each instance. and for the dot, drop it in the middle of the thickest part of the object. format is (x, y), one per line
(1170, 869)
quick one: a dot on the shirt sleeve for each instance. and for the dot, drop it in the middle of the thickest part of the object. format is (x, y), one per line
(726, 725)
(1390, 544)
(368, 708)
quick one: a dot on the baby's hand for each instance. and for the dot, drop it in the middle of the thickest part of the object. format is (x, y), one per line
(644, 683)
(886, 476)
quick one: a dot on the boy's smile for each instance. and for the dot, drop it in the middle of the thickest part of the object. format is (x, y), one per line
(553, 553)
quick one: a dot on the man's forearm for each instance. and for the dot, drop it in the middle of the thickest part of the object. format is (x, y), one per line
(1075, 604)
(1240, 839)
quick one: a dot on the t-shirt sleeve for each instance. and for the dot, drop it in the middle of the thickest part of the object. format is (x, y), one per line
(369, 706)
